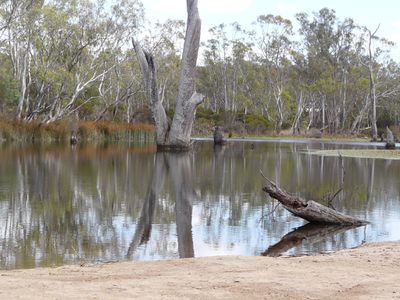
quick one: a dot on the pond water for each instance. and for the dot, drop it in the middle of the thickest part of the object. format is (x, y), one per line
(60, 204)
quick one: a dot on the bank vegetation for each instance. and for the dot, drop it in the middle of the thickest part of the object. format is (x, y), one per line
(63, 60)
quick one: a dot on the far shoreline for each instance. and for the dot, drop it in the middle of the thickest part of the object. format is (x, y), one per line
(301, 140)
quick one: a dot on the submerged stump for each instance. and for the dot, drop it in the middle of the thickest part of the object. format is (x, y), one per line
(219, 136)
(309, 210)
(390, 143)
(73, 139)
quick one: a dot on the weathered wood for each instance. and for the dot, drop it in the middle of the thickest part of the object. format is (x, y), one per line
(390, 143)
(175, 136)
(188, 98)
(73, 140)
(148, 69)
(219, 136)
(311, 233)
(309, 210)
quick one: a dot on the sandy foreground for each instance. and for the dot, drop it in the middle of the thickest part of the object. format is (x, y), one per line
(369, 272)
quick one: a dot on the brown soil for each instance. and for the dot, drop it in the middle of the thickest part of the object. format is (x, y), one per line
(369, 272)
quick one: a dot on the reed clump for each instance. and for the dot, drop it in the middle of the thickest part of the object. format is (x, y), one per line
(61, 131)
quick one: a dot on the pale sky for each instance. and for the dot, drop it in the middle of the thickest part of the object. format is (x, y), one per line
(385, 13)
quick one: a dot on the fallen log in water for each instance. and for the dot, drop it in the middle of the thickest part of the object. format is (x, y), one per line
(309, 210)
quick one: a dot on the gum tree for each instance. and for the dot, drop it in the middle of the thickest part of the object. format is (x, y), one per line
(175, 135)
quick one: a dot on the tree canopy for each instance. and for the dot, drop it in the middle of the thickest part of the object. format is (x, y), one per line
(60, 58)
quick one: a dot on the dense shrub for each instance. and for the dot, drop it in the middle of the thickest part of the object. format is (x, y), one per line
(256, 123)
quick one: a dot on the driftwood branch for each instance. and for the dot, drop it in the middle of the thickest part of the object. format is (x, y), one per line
(309, 210)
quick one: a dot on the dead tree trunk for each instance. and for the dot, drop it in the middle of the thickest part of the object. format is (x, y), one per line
(148, 69)
(390, 144)
(309, 210)
(176, 136)
(219, 136)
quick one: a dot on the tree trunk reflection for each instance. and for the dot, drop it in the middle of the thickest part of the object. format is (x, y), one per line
(182, 178)
(143, 227)
(178, 166)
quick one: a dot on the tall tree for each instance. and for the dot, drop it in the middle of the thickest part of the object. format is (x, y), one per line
(373, 53)
(177, 135)
(276, 45)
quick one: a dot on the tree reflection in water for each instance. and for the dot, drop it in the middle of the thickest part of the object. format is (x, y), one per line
(101, 203)
(143, 227)
(310, 233)
(178, 166)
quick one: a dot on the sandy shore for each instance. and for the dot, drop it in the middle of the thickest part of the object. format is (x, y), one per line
(369, 272)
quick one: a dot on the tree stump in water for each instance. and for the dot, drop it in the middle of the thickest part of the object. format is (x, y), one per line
(309, 210)
(73, 140)
(390, 144)
(219, 136)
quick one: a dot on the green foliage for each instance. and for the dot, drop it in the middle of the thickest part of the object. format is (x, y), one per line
(8, 85)
(209, 115)
(256, 122)
(8, 90)
(81, 61)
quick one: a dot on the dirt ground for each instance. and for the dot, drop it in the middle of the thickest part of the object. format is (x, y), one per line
(369, 272)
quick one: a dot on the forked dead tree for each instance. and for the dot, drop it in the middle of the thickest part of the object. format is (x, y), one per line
(175, 136)
(309, 210)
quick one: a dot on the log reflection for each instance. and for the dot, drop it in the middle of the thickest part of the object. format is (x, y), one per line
(311, 233)
(178, 166)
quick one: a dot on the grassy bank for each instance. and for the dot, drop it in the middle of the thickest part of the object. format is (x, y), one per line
(90, 131)
(366, 153)
(240, 125)
(26, 132)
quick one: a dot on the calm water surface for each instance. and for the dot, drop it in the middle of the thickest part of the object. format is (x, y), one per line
(63, 205)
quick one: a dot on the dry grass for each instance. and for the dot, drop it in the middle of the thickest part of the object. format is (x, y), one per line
(21, 131)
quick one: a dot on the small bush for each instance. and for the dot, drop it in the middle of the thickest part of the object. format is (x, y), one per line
(208, 114)
(256, 124)
(202, 127)
(314, 133)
